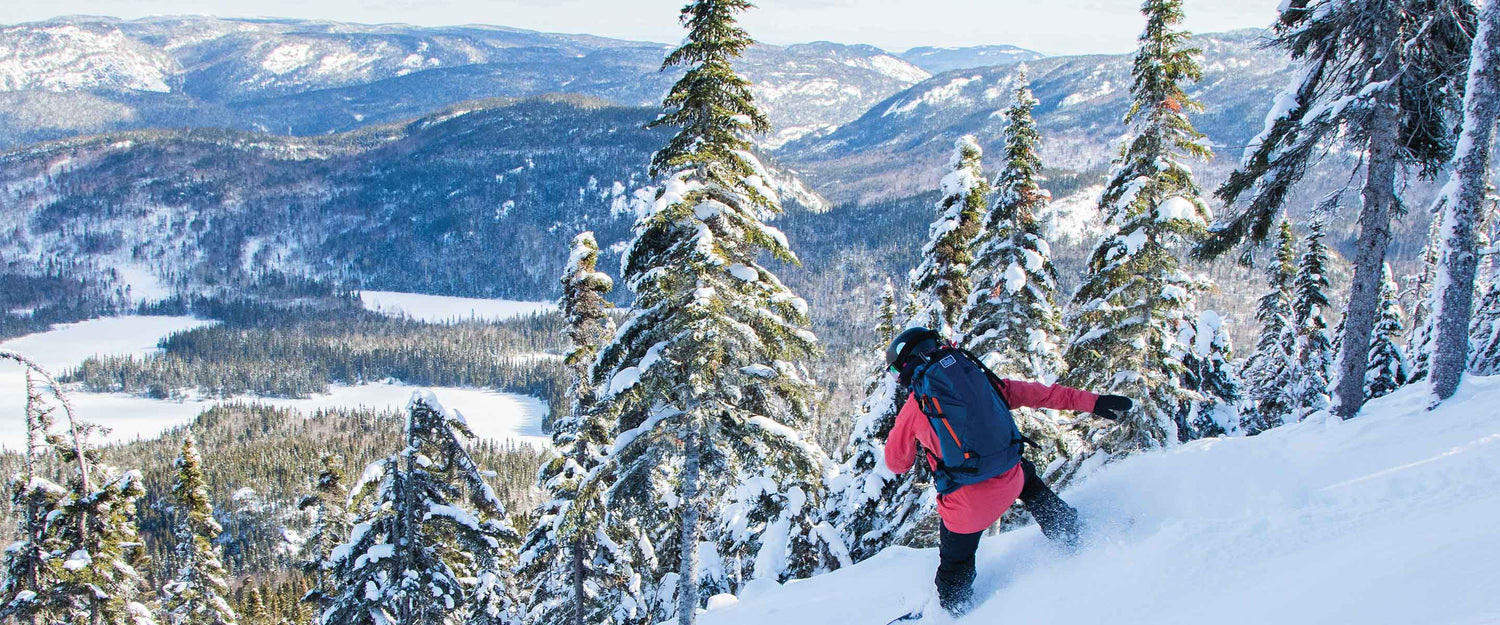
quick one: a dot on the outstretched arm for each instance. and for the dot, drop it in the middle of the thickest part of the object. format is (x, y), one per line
(1022, 394)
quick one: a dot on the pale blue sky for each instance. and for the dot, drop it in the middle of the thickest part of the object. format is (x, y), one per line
(1050, 26)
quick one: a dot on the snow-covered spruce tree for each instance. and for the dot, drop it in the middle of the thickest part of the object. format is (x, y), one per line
(1134, 313)
(415, 542)
(1207, 358)
(1269, 373)
(941, 281)
(255, 606)
(93, 551)
(329, 503)
(1453, 291)
(1388, 369)
(558, 556)
(706, 376)
(32, 498)
(1309, 309)
(871, 507)
(1484, 335)
(1012, 320)
(1381, 76)
(890, 312)
(99, 577)
(196, 594)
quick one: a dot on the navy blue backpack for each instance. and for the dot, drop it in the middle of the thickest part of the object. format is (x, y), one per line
(961, 399)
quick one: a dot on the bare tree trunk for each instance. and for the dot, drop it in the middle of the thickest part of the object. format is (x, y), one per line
(1379, 198)
(579, 600)
(1459, 261)
(687, 586)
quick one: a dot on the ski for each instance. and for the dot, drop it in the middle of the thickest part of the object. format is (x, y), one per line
(909, 617)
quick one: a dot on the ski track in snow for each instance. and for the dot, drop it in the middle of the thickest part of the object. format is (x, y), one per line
(490, 414)
(1387, 518)
(443, 308)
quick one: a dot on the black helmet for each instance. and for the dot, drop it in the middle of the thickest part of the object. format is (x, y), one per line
(917, 340)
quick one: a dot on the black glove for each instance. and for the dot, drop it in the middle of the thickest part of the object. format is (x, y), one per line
(1113, 407)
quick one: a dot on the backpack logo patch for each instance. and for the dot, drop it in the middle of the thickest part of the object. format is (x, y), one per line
(948, 362)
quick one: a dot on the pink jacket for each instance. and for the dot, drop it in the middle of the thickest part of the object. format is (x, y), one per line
(975, 507)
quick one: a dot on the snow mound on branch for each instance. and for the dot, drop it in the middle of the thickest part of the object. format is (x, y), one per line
(1386, 518)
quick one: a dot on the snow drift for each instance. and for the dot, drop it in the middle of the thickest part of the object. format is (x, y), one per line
(1392, 517)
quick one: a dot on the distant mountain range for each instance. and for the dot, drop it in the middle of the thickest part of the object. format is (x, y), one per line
(899, 146)
(84, 75)
(939, 60)
(404, 172)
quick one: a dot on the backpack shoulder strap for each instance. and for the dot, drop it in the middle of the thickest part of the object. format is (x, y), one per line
(995, 380)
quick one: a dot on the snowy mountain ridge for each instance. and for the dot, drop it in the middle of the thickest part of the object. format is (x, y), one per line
(1323, 521)
(73, 57)
(72, 75)
(898, 146)
(940, 60)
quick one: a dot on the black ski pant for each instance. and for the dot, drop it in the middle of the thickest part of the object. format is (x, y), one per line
(955, 573)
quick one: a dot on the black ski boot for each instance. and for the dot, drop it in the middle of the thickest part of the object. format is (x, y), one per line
(1058, 520)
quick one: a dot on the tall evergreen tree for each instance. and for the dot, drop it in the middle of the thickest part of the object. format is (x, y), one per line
(941, 280)
(1380, 76)
(1452, 300)
(1012, 320)
(415, 542)
(1309, 307)
(706, 377)
(1134, 314)
(330, 527)
(890, 314)
(32, 497)
(557, 557)
(871, 507)
(1387, 370)
(1270, 371)
(255, 606)
(195, 596)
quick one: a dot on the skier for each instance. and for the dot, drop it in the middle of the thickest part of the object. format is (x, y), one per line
(953, 393)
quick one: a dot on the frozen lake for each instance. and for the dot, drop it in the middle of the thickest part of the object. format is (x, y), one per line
(442, 308)
(494, 415)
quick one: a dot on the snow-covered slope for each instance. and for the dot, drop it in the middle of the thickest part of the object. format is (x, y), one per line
(1387, 518)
